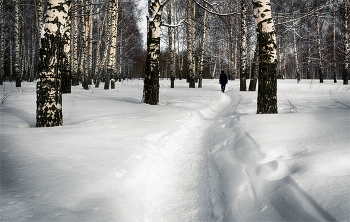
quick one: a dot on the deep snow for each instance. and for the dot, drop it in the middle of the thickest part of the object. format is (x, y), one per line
(200, 155)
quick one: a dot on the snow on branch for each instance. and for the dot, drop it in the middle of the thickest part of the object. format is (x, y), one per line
(214, 12)
(173, 26)
(310, 13)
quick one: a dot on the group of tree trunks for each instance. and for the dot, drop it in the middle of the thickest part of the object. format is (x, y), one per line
(83, 41)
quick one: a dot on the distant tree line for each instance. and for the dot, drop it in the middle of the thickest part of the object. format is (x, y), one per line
(104, 41)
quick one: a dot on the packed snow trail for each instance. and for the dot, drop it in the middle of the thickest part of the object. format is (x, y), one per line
(247, 185)
(179, 191)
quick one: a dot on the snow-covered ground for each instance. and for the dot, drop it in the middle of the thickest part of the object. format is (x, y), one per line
(200, 155)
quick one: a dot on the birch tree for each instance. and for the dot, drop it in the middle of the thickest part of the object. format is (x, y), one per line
(319, 53)
(18, 62)
(267, 84)
(49, 94)
(190, 60)
(151, 80)
(201, 60)
(243, 47)
(346, 74)
(170, 36)
(296, 60)
(2, 42)
(112, 69)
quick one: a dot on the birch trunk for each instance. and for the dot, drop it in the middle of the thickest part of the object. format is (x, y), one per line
(334, 47)
(170, 36)
(112, 69)
(201, 61)
(243, 47)
(84, 49)
(235, 56)
(346, 74)
(66, 65)
(267, 85)
(49, 94)
(2, 40)
(33, 58)
(297, 71)
(18, 62)
(319, 54)
(74, 46)
(190, 62)
(255, 70)
(89, 58)
(308, 72)
(106, 54)
(151, 80)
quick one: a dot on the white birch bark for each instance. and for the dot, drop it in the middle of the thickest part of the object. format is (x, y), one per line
(267, 85)
(74, 46)
(2, 40)
(112, 70)
(189, 25)
(170, 36)
(295, 49)
(90, 25)
(201, 60)
(84, 47)
(151, 80)
(18, 62)
(346, 74)
(319, 53)
(308, 71)
(243, 47)
(334, 46)
(49, 94)
(66, 60)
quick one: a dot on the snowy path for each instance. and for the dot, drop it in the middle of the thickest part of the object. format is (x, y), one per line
(246, 184)
(177, 187)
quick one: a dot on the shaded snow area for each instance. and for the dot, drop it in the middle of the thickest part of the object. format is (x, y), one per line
(200, 155)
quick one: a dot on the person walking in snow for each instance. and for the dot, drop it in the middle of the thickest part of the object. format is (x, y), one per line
(223, 81)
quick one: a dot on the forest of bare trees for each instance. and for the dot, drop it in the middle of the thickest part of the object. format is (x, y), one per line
(191, 39)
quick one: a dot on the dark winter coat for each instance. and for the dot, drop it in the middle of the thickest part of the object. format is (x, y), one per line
(223, 78)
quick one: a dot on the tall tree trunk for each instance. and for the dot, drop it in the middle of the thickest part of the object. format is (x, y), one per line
(235, 54)
(74, 46)
(84, 43)
(279, 57)
(18, 62)
(2, 40)
(89, 43)
(190, 60)
(334, 47)
(346, 73)
(106, 54)
(255, 70)
(151, 80)
(319, 53)
(243, 47)
(66, 65)
(201, 61)
(296, 60)
(112, 69)
(267, 85)
(49, 94)
(170, 36)
(308, 71)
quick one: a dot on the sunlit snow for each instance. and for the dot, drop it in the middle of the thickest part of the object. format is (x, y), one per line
(200, 155)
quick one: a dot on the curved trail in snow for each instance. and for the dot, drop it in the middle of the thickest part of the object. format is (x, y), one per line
(174, 172)
(245, 185)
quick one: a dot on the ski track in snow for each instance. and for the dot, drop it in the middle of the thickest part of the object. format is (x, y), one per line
(246, 185)
(182, 185)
